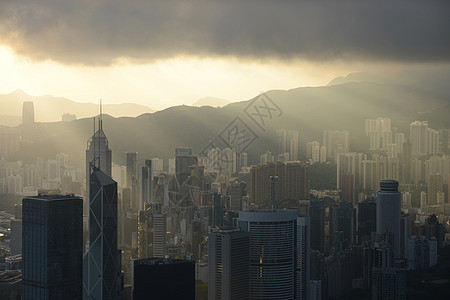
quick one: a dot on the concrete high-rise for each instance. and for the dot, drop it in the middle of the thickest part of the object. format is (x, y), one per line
(317, 220)
(229, 264)
(389, 201)
(273, 253)
(101, 265)
(132, 179)
(145, 185)
(52, 247)
(28, 113)
(418, 134)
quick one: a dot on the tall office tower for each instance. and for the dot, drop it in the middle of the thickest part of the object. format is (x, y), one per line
(317, 215)
(367, 219)
(303, 257)
(132, 167)
(336, 142)
(28, 112)
(435, 186)
(388, 211)
(183, 161)
(405, 234)
(313, 151)
(341, 226)
(52, 247)
(101, 265)
(145, 185)
(394, 167)
(273, 253)
(433, 141)
(97, 146)
(132, 179)
(348, 188)
(228, 264)
(418, 133)
(379, 132)
(152, 232)
(237, 191)
(218, 209)
(161, 279)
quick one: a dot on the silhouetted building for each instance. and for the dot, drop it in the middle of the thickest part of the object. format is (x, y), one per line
(161, 279)
(342, 225)
(316, 215)
(28, 113)
(101, 270)
(11, 285)
(229, 264)
(388, 211)
(367, 219)
(52, 247)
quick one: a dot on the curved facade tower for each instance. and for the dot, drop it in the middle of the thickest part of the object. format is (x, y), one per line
(389, 210)
(273, 254)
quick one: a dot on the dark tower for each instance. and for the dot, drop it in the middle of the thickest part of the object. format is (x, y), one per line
(52, 247)
(28, 112)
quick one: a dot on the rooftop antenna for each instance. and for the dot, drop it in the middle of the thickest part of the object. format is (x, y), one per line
(100, 129)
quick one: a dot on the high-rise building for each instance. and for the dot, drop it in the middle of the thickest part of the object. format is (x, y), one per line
(418, 134)
(317, 219)
(342, 226)
(336, 142)
(292, 184)
(145, 185)
(273, 253)
(435, 186)
(379, 132)
(367, 219)
(313, 151)
(28, 112)
(161, 279)
(388, 211)
(52, 247)
(229, 264)
(97, 147)
(101, 269)
(303, 257)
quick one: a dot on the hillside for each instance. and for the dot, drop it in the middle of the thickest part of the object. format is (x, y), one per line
(50, 109)
(308, 110)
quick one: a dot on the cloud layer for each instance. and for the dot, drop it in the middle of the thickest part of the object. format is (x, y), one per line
(98, 32)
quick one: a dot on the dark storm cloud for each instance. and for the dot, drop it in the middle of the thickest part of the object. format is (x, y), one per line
(99, 31)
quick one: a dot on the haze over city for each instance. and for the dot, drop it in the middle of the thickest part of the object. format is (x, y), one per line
(224, 149)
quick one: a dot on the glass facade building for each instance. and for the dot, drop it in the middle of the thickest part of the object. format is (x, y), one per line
(52, 242)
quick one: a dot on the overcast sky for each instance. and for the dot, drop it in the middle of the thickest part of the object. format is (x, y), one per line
(161, 53)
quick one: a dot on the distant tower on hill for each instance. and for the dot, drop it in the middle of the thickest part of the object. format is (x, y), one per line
(28, 113)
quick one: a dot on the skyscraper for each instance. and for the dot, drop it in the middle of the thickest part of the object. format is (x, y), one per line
(273, 253)
(229, 264)
(303, 257)
(145, 185)
(389, 201)
(97, 146)
(317, 215)
(101, 270)
(28, 112)
(52, 247)
(132, 178)
(367, 219)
